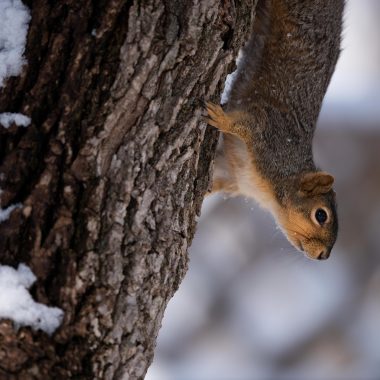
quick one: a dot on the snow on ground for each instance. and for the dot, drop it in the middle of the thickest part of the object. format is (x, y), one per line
(17, 304)
(8, 118)
(14, 22)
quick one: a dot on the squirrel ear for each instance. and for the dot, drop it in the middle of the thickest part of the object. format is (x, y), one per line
(315, 183)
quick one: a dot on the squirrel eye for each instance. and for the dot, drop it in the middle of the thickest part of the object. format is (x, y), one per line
(321, 216)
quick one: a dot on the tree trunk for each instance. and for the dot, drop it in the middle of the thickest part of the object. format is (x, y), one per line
(110, 174)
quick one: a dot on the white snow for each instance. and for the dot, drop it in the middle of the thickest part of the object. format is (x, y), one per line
(14, 23)
(5, 213)
(8, 118)
(17, 304)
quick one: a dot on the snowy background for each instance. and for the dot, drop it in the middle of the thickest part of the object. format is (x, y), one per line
(251, 307)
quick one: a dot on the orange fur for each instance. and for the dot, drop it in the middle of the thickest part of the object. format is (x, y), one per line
(301, 231)
(240, 175)
(231, 123)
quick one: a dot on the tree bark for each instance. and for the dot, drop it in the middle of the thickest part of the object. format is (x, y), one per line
(110, 174)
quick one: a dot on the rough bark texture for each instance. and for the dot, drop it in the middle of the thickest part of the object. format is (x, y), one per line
(111, 173)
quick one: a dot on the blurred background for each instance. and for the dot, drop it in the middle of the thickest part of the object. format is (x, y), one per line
(250, 306)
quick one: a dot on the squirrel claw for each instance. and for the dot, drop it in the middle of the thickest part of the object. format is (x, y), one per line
(227, 122)
(217, 117)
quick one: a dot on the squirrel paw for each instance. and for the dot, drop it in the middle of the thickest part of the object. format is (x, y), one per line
(218, 118)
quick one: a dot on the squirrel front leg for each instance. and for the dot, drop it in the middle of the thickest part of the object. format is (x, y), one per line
(228, 122)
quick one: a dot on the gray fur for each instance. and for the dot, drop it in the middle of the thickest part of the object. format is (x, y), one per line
(282, 79)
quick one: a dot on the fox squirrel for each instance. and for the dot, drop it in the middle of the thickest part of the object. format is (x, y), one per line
(269, 120)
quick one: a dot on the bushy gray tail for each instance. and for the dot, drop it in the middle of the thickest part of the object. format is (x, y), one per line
(250, 57)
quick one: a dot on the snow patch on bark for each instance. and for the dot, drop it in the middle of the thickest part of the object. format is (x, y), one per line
(14, 23)
(17, 304)
(8, 118)
(5, 213)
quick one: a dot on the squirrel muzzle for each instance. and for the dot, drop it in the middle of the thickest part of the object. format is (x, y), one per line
(308, 216)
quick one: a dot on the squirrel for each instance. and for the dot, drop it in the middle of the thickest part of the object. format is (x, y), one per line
(269, 120)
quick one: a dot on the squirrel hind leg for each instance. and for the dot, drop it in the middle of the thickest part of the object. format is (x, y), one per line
(218, 118)
(222, 179)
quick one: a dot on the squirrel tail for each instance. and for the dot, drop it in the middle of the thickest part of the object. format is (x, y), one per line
(250, 56)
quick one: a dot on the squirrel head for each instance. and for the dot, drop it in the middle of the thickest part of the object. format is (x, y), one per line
(308, 214)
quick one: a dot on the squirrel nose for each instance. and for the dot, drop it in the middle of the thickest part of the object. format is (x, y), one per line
(324, 254)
